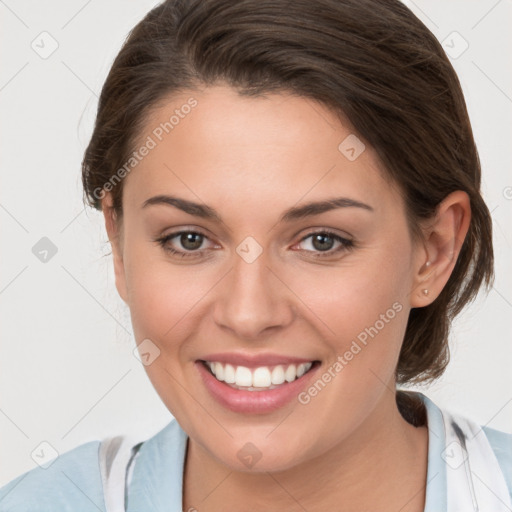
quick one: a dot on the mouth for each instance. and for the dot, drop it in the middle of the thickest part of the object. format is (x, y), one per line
(257, 390)
(259, 379)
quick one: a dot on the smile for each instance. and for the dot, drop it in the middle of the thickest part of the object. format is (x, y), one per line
(262, 378)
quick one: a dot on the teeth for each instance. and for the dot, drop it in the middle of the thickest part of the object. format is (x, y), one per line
(229, 374)
(260, 378)
(301, 370)
(219, 371)
(278, 375)
(243, 376)
(291, 373)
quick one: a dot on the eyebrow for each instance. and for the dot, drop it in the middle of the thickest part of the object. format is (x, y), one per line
(293, 213)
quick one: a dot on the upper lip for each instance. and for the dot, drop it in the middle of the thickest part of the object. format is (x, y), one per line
(254, 360)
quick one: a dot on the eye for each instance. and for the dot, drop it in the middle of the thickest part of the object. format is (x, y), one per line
(189, 244)
(190, 241)
(322, 243)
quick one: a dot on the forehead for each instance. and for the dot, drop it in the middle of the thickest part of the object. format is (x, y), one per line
(214, 143)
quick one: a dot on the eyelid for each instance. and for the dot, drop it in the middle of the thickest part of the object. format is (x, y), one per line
(313, 231)
(346, 242)
(164, 239)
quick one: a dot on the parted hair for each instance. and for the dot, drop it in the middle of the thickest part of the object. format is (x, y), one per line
(372, 62)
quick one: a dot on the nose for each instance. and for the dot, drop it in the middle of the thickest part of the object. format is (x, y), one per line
(253, 300)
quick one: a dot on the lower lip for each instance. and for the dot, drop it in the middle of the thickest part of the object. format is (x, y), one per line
(256, 402)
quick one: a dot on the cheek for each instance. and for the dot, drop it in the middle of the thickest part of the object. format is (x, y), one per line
(360, 315)
(360, 308)
(165, 301)
(353, 296)
(162, 302)
(161, 295)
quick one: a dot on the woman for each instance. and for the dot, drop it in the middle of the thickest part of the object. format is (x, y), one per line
(292, 195)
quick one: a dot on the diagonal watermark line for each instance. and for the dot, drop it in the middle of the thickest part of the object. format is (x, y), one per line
(490, 490)
(81, 419)
(168, 168)
(332, 332)
(384, 383)
(72, 220)
(14, 76)
(280, 423)
(79, 78)
(502, 296)
(424, 14)
(423, 487)
(13, 13)
(17, 483)
(95, 299)
(16, 425)
(76, 14)
(195, 303)
(494, 416)
(285, 490)
(485, 15)
(13, 279)
(394, 393)
(314, 107)
(307, 192)
(14, 218)
(214, 489)
(195, 400)
(100, 509)
(492, 81)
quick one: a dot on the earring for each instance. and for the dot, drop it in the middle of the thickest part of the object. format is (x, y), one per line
(425, 292)
(428, 263)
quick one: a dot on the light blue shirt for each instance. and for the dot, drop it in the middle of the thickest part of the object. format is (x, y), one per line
(73, 482)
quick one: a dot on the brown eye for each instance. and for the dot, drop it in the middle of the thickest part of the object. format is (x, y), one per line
(322, 241)
(325, 243)
(191, 241)
(185, 244)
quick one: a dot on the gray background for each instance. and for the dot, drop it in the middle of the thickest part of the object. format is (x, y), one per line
(67, 371)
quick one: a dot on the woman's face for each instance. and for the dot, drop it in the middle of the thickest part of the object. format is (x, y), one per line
(253, 286)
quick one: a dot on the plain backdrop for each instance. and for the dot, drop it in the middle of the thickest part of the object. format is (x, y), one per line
(67, 371)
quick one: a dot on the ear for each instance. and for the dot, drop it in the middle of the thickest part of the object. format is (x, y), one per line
(443, 241)
(114, 231)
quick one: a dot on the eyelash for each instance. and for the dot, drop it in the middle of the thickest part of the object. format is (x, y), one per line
(346, 244)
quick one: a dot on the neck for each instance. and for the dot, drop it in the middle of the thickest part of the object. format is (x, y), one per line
(381, 466)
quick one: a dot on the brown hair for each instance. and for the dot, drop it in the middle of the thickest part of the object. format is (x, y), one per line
(371, 61)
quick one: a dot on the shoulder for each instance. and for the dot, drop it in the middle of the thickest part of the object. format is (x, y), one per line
(501, 443)
(72, 481)
(75, 480)
(489, 450)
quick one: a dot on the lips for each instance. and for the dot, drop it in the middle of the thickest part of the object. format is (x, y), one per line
(256, 399)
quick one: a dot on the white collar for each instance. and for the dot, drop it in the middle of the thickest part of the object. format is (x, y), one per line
(463, 473)
(463, 466)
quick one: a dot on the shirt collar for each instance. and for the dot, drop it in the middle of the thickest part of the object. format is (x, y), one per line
(157, 481)
(436, 496)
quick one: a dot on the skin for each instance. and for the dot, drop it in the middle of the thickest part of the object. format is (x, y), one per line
(251, 159)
